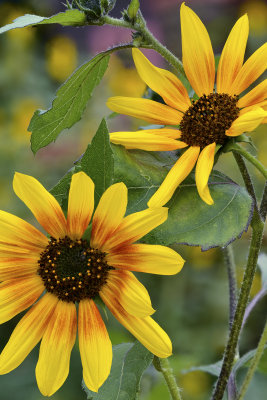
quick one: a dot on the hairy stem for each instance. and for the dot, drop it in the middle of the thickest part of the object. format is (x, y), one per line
(231, 270)
(254, 363)
(253, 160)
(257, 226)
(162, 365)
(141, 27)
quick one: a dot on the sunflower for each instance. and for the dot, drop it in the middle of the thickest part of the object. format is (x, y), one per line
(65, 270)
(219, 113)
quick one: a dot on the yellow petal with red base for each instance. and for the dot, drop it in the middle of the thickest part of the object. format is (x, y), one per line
(80, 205)
(130, 293)
(251, 70)
(17, 232)
(27, 333)
(146, 330)
(247, 122)
(135, 226)
(109, 214)
(145, 109)
(254, 96)
(42, 204)
(175, 176)
(144, 140)
(198, 57)
(18, 294)
(153, 259)
(171, 90)
(58, 340)
(95, 345)
(232, 56)
(17, 267)
(203, 169)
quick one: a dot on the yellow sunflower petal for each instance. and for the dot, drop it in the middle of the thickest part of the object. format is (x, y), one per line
(153, 259)
(198, 57)
(255, 96)
(251, 70)
(95, 345)
(42, 204)
(17, 267)
(232, 56)
(131, 294)
(18, 294)
(145, 109)
(58, 340)
(144, 140)
(146, 330)
(27, 333)
(247, 122)
(176, 175)
(167, 132)
(11, 250)
(203, 169)
(109, 214)
(81, 204)
(171, 90)
(16, 231)
(135, 226)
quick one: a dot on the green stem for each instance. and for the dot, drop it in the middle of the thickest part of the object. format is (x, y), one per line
(231, 270)
(254, 363)
(162, 365)
(257, 226)
(251, 159)
(149, 38)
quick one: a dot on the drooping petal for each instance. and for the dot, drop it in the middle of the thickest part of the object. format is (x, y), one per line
(17, 232)
(247, 122)
(198, 57)
(232, 56)
(153, 259)
(18, 294)
(146, 330)
(80, 205)
(135, 226)
(175, 176)
(203, 169)
(95, 345)
(17, 267)
(131, 294)
(145, 109)
(254, 96)
(42, 204)
(251, 70)
(27, 333)
(58, 340)
(109, 214)
(144, 140)
(171, 90)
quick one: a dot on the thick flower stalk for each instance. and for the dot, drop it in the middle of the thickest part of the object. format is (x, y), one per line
(54, 274)
(199, 125)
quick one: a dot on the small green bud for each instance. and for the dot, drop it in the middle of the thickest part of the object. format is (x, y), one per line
(133, 9)
(107, 5)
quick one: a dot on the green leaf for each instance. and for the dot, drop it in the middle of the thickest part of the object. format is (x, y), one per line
(61, 189)
(190, 221)
(128, 365)
(68, 106)
(244, 360)
(98, 161)
(69, 17)
(212, 369)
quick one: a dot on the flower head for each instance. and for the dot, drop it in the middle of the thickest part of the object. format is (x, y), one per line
(218, 114)
(68, 270)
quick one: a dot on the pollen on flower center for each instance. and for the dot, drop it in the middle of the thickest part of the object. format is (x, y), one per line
(72, 270)
(208, 118)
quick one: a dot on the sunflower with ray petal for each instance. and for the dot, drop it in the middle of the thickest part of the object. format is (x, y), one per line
(67, 269)
(218, 114)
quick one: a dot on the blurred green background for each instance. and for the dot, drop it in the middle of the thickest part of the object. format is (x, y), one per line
(192, 306)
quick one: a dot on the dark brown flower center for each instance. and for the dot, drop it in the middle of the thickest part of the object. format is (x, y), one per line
(208, 118)
(72, 270)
